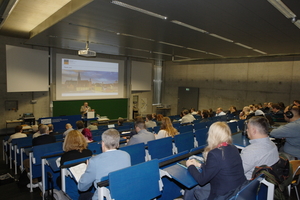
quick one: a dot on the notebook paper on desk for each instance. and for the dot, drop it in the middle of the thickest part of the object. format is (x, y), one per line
(78, 170)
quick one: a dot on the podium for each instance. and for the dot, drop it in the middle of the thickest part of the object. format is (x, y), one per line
(90, 114)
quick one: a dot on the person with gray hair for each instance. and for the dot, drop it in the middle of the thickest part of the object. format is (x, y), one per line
(44, 138)
(69, 128)
(261, 151)
(101, 165)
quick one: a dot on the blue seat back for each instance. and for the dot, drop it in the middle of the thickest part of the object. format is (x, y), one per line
(233, 127)
(160, 148)
(201, 136)
(250, 191)
(136, 152)
(184, 141)
(59, 137)
(150, 129)
(124, 128)
(46, 149)
(200, 125)
(185, 129)
(95, 147)
(241, 124)
(136, 182)
(209, 123)
(156, 129)
(97, 138)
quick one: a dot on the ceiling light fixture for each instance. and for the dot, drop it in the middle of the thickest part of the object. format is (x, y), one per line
(242, 45)
(189, 26)
(213, 54)
(258, 51)
(119, 3)
(166, 54)
(220, 37)
(196, 50)
(282, 8)
(297, 23)
(170, 44)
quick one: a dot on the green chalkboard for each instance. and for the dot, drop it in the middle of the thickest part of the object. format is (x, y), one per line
(112, 108)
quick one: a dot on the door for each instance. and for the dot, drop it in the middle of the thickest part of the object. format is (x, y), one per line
(188, 98)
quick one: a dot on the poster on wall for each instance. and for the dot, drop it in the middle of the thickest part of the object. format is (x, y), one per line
(144, 105)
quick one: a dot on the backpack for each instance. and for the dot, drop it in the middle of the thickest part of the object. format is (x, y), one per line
(280, 174)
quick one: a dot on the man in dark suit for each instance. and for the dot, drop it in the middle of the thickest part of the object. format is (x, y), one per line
(44, 138)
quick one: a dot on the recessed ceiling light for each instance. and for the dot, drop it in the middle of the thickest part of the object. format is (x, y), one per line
(282, 8)
(220, 37)
(119, 3)
(245, 46)
(258, 51)
(189, 26)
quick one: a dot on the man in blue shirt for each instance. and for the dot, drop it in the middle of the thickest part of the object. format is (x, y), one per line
(290, 131)
(101, 165)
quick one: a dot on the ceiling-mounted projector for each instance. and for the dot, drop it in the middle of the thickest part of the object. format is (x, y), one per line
(87, 52)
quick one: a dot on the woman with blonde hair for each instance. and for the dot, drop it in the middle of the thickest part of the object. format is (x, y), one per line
(166, 129)
(222, 171)
(75, 147)
(245, 112)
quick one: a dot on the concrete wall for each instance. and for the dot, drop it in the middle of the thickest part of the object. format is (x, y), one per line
(234, 82)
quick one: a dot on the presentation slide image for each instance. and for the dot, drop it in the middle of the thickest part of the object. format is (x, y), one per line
(80, 83)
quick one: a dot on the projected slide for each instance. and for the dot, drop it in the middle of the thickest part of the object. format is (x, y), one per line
(89, 78)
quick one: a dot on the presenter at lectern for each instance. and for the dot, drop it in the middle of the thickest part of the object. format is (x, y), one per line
(85, 109)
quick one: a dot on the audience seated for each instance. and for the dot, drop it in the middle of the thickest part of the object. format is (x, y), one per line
(44, 138)
(265, 108)
(193, 111)
(18, 134)
(69, 128)
(120, 121)
(257, 111)
(223, 170)
(187, 117)
(149, 123)
(245, 113)
(37, 133)
(290, 132)
(296, 102)
(86, 132)
(167, 129)
(142, 134)
(205, 115)
(159, 118)
(261, 151)
(277, 113)
(51, 129)
(232, 110)
(93, 126)
(101, 165)
(220, 112)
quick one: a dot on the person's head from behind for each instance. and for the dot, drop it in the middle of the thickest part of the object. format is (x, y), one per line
(74, 141)
(205, 114)
(232, 109)
(185, 112)
(110, 139)
(296, 102)
(153, 115)
(35, 128)
(18, 129)
(149, 117)
(246, 110)
(79, 124)
(275, 107)
(166, 122)
(68, 126)
(120, 121)
(218, 133)
(257, 127)
(291, 113)
(159, 117)
(219, 110)
(139, 125)
(43, 129)
(51, 127)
